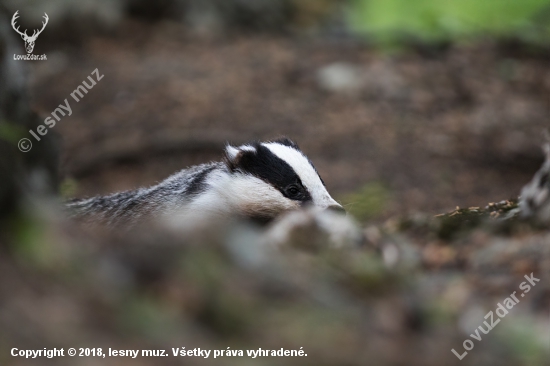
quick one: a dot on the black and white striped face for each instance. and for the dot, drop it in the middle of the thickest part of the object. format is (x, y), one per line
(271, 177)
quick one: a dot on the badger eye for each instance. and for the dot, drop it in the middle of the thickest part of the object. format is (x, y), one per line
(293, 192)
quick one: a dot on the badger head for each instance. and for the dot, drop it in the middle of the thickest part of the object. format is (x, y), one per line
(268, 178)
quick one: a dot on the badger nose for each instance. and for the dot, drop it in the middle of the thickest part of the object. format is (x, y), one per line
(337, 208)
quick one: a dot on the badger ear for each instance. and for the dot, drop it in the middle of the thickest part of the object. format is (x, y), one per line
(231, 152)
(234, 154)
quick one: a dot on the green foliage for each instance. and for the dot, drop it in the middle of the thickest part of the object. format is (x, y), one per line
(68, 188)
(10, 133)
(521, 336)
(367, 203)
(147, 317)
(388, 21)
(29, 244)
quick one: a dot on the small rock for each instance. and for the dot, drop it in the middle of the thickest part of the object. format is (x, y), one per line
(340, 77)
(314, 229)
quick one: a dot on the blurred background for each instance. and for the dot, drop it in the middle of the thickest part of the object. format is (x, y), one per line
(402, 106)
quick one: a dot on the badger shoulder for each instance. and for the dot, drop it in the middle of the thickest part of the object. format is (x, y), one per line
(129, 207)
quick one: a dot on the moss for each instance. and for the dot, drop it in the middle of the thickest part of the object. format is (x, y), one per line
(449, 225)
(10, 133)
(68, 188)
(498, 217)
(147, 317)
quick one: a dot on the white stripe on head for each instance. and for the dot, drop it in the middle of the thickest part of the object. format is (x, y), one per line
(303, 168)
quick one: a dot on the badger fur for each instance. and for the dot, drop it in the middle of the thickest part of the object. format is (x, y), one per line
(259, 180)
(534, 201)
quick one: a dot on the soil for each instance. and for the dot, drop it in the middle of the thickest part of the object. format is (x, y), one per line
(461, 126)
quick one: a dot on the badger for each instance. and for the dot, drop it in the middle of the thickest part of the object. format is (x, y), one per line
(258, 180)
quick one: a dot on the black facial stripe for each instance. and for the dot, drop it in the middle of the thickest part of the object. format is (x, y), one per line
(288, 142)
(196, 186)
(313, 166)
(268, 167)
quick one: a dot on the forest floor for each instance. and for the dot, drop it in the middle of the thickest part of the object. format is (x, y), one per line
(426, 130)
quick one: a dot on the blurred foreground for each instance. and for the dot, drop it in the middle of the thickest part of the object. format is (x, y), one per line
(412, 291)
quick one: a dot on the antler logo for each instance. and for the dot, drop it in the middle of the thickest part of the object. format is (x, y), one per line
(29, 41)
